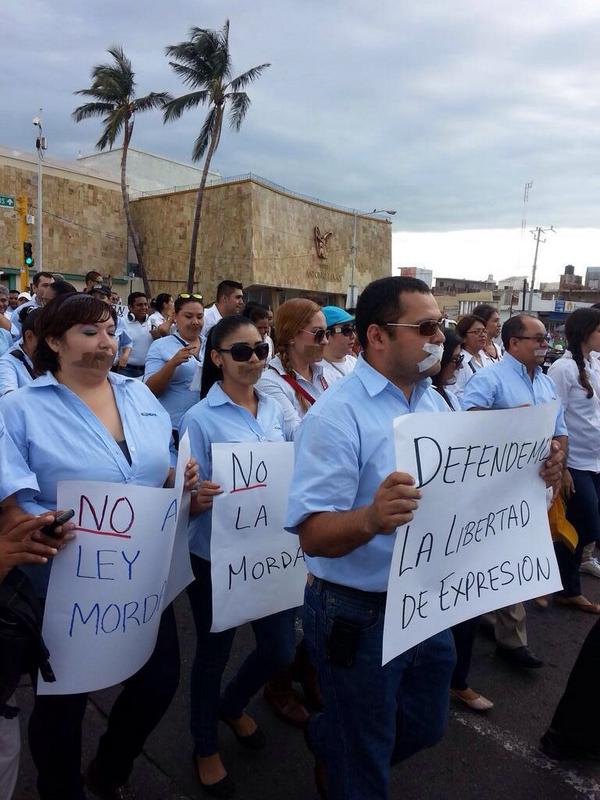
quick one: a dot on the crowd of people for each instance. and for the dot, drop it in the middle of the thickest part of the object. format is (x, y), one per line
(86, 384)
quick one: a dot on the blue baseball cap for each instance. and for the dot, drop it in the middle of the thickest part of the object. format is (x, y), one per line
(334, 315)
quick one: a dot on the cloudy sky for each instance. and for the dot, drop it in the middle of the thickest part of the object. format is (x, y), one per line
(440, 110)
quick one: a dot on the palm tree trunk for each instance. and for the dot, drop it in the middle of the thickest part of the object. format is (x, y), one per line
(130, 226)
(214, 139)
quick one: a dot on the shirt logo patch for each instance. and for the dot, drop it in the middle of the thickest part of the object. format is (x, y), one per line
(147, 414)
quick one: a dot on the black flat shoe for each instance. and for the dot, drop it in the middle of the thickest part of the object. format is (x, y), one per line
(254, 741)
(225, 788)
(519, 657)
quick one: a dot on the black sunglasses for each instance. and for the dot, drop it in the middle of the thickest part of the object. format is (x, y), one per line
(428, 327)
(345, 330)
(319, 334)
(244, 352)
(458, 360)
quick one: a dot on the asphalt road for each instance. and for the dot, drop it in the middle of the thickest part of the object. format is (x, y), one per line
(492, 757)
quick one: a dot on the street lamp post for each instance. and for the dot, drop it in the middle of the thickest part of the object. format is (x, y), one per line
(352, 296)
(40, 146)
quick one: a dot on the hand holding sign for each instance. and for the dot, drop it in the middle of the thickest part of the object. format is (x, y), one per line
(395, 500)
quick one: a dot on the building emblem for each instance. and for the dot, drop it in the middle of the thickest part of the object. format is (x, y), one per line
(321, 240)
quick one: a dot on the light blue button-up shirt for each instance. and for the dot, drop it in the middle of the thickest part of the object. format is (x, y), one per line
(344, 450)
(218, 419)
(508, 385)
(177, 397)
(61, 439)
(6, 341)
(13, 372)
(15, 475)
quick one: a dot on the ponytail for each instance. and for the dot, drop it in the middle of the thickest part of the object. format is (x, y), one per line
(287, 368)
(583, 378)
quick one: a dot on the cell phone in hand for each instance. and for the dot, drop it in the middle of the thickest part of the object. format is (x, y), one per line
(65, 516)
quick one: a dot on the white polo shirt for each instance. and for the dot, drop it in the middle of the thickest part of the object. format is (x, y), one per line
(139, 333)
(334, 370)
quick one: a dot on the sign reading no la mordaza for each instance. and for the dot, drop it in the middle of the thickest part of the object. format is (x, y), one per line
(109, 587)
(480, 538)
(257, 567)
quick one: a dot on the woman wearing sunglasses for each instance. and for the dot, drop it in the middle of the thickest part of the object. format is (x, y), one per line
(338, 357)
(465, 632)
(231, 410)
(173, 361)
(472, 331)
(295, 377)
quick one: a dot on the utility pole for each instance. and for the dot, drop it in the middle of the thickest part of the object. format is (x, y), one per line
(21, 208)
(40, 146)
(537, 235)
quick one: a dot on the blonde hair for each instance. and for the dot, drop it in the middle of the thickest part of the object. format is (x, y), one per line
(290, 318)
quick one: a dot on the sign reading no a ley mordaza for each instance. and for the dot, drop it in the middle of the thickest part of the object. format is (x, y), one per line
(480, 538)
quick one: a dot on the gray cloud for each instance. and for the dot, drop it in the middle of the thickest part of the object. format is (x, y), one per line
(439, 110)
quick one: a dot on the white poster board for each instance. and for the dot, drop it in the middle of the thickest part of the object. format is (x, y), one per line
(480, 539)
(180, 574)
(107, 587)
(257, 567)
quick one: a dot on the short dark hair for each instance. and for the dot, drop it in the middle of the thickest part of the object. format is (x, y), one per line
(63, 287)
(210, 372)
(466, 323)
(181, 301)
(42, 274)
(484, 311)
(61, 314)
(103, 290)
(161, 300)
(380, 302)
(255, 311)
(15, 291)
(225, 288)
(92, 275)
(29, 317)
(515, 326)
(134, 296)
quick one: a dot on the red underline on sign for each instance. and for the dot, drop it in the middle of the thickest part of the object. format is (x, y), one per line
(247, 488)
(104, 533)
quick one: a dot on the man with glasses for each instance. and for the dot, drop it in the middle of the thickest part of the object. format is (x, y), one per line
(338, 359)
(516, 380)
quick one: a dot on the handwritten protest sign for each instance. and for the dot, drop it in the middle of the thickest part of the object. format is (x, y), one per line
(107, 588)
(480, 538)
(181, 573)
(257, 567)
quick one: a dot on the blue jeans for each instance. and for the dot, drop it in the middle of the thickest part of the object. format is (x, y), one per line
(275, 640)
(583, 512)
(373, 716)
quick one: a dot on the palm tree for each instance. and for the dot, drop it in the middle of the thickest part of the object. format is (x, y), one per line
(204, 64)
(113, 89)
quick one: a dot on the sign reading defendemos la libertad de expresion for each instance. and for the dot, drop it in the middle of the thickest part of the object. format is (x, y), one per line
(480, 538)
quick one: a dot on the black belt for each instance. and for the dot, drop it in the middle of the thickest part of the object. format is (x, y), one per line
(319, 585)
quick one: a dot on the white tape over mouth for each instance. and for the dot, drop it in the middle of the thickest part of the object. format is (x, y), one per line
(436, 352)
(539, 352)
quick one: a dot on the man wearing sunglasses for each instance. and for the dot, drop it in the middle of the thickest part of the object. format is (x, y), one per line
(516, 380)
(338, 359)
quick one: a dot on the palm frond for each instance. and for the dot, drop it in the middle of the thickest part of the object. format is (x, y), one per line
(243, 80)
(239, 105)
(113, 125)
(150, 101)
(195, 76)
(175, 108)
(89, 110)
(204, 136)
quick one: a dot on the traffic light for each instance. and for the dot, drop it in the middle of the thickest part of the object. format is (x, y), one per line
(28, 255)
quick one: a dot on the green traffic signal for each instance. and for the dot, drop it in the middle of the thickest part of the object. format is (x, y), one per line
(28, 254)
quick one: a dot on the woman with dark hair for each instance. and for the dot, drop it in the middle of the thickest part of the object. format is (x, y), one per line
(231, 410)
(161, 319)
(16, 366)
(173, 362)
(80, 421)
(294, 377)
(450, 365)
(577, 384)
(489, 314)
(58, 288)
(472, 331)
(465, 632)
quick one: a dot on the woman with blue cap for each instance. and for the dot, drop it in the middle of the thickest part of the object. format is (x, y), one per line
(338, 359)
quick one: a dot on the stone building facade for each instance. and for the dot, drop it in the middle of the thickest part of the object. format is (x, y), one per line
(279, 244)
(83, 223)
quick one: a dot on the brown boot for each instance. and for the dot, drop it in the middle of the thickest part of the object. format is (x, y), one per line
(284, 701)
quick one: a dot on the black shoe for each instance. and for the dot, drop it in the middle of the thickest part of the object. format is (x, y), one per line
(555, 747)
(519, 657)
(224, 789)
(94, 782)
(253, 741)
